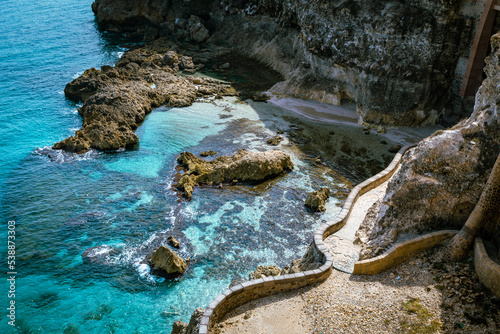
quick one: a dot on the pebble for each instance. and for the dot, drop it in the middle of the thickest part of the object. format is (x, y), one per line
(347, 303)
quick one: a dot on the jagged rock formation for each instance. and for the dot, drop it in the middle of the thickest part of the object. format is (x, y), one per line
(395, 59)
(194, 323)
(312, 259)
(166, 259)
(264, 271)
(244, 166)
(117, 99)
(275, 141)
(441, 180)
(173, 242)
(316, 199)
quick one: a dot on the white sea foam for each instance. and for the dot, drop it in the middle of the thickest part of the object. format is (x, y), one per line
(145, 198)
(143, 269)
(60, 156)
(77, 74)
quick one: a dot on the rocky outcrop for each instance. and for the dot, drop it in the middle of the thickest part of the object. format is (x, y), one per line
(440, 180)
(395, 59)
(312, 259)
(316, 199)
(264, 271)
(117, 99)
(179, 327)
(167, 260)
(208, 153)
(173, 242)
(275, 141)
(194, 323)
(244, 166)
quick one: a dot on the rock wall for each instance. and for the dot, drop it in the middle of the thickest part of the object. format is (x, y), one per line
(441, 180)
(395, 59)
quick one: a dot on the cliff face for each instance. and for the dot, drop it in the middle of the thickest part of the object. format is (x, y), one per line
(395, 59)
(441, 180)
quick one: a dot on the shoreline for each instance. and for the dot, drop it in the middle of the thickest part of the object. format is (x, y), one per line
(346, 114)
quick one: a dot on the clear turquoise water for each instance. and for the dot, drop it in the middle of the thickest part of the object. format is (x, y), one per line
(65, 205)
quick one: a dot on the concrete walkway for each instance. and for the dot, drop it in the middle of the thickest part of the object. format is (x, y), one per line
(340, 244)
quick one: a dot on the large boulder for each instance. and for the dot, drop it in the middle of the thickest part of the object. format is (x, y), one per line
(316, 199)
(166, 259)
(244, 166)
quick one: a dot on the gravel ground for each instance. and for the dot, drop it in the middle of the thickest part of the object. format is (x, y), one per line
(423, 295)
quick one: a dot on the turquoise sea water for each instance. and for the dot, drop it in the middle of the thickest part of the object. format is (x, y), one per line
(65, 204)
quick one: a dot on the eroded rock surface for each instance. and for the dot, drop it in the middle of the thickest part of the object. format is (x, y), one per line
(194, 323)
(312, 259)
(166, 259)
(244, 166)
(173, 242)
(117, 99)
(316, 199)
(440, 180)
(264, 271)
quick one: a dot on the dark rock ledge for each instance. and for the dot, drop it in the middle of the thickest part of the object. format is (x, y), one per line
(117, 99)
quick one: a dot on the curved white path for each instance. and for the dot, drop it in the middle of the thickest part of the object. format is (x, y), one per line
(340, 244)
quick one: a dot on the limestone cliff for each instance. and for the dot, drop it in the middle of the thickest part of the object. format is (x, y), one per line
(394, 58)
(440, 180)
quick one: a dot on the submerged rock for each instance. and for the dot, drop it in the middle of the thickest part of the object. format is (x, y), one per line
(166, 259)
(244, 166)
(264, 271)
(394, 149)
(99, 254)
(261, 97)
(316, 199)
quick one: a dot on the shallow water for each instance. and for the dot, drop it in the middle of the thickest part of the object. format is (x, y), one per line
(65, 204)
